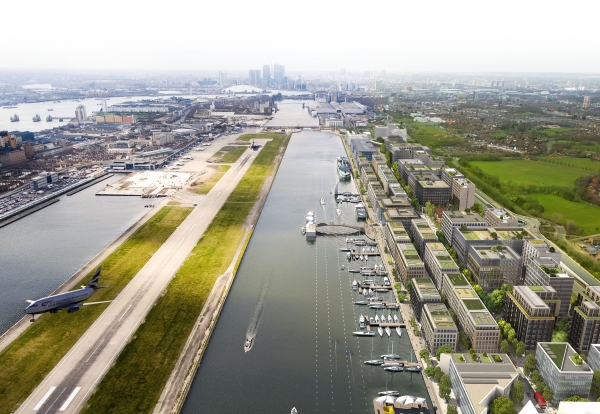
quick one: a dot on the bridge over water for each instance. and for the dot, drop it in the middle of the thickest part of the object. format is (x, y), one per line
(330, 228)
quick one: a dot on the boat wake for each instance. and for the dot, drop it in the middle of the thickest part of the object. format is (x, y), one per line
(256, 317)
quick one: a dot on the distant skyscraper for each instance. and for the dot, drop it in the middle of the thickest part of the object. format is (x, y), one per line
(278, 73)
(80, 113)
(223, 78)
(266, 74)
(586, 102)
(475, 96)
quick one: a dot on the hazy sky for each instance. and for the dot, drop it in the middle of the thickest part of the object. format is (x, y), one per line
(393, 35)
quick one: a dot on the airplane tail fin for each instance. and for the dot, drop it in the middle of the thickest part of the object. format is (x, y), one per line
(94, 282)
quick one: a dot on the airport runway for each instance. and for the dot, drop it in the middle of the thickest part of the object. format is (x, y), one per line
(71, 382)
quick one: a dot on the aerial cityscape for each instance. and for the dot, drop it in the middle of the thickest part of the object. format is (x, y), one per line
(195, 224)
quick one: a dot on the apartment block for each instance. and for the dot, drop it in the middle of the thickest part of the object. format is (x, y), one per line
(452, 219)
(367, 175)
(422, 291)
(422, 233)
(585, 325)
(436, 192)
(530, 311)
(404, 215)
(473, 317)
(437, 327)
(560, 371)
(545, 271)
(394, 233)
(463, 193)
(437, 262)
(493, 266)
(539, 248)
(408, 262)
(491, 236)
(375, 193)
(499, 217)
(448, 174)
(593, 358)
(384, 204)
(477, 383)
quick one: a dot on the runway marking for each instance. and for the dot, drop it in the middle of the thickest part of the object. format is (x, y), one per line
(143, 289)
(44, 398)
(73, 394)
(166, 260)
(126, 310)
(92, 354)
(218, 194)
(49, 408)
(211, 203)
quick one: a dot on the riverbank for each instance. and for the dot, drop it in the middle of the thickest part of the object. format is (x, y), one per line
(148, 360)
(37, 350)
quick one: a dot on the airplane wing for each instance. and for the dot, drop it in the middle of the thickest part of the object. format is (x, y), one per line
(95, 303)
(29, 301)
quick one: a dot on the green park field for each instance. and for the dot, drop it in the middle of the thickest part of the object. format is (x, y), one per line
(584, 215)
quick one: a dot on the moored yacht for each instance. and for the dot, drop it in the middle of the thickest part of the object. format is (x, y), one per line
(416, 368)
(399, 331)
(354, 285)
(380, 331)
(363, 333)
(361, 322)
(388, 331)
(391, 393)
(394, 369)
(374, 362)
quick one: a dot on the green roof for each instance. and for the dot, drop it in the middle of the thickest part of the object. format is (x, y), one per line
(457, 279)
(536, 288)
(474, 304)
(558, 350)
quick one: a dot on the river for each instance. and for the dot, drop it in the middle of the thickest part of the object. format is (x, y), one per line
(298, 302)
(42, 250)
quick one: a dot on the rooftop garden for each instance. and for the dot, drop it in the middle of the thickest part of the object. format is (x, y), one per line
(558, 350)
(536, 288)
(458, 280)
(474, 304)
(496, 358)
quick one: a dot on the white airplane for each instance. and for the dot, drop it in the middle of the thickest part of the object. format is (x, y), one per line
(68, 300)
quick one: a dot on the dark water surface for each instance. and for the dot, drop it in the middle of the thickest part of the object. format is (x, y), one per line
(41, 251)
(304, 354)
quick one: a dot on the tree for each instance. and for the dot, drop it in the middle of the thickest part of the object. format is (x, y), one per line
(424, 354)
(401, 297)
(494, 235)
(520, 348)
(452, 409)
(507, 327)
(429, 209)
(595, 389)
(438, 373)
(576, 398)
(444, 349)
(502, 405)
(511, 335)
(530, 364)
(517, 393)
(408, 285)
(478, 208)
(507, 287)
(504, 346)
(479, 290)
(467, 274)
(547, 394)
(497, 299)
(463, 340)
(445, 387)
(536, 378)
(430, 370)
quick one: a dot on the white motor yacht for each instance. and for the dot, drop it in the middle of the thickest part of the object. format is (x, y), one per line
(361, 322)
(380, 331)
(354, 285)
(363, 333)
(322, 201)
(394, 368)
(399, 331)
(374, 362)
(388, 331)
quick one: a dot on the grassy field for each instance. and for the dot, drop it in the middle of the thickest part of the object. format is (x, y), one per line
(527, 172)
(265, 135)
(556, 132)
(204, 188)
(135, 382)
(584, 215)
(581, 163)
(25, 363)
(233, 154)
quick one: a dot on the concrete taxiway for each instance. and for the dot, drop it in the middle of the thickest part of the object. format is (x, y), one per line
(71, 382)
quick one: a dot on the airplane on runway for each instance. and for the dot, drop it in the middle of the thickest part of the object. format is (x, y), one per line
(71, 301)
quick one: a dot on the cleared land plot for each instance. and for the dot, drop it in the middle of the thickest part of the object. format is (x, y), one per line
(25, 363)
(527, 172)
(584, 215)
(203, 185)
(139, 375)
(228, 154)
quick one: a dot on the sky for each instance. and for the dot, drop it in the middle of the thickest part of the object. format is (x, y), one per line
(308, 35)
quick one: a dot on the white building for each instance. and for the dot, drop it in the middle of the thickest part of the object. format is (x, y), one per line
(463, 193)
(80, 113)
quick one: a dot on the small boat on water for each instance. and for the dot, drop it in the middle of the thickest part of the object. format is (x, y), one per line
(383, 319)
(374, 362)
(361, 302)
(388, 331)
(371, 292)
(377, 319)
(294, 411)
(394, 369)
(382, 290)
(338, 211)
(375, 299)
(361, 322)
(14, 118)
(343, 267)
(322, 201)
(36, 118)
(391, 356)
(390, 393)
(363, 333)
(354, 285)
(393, 306)
(399, 331)
(380, 331)
(248, 344)
(303, 230)
(416, 368)
(49, 118)
(365, 292)
(371, 320)
(354, 270)
(377, 306)
(396, 320)
(349, 256)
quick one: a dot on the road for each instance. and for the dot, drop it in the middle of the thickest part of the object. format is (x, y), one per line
(71, 382)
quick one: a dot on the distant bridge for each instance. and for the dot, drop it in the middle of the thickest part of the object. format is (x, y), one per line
(338, 229)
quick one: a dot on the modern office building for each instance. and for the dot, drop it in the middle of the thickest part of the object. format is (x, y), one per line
(448, 174)
(422, 233)
(545, 271)
(422, 291)
(437, 262)
(80, 113)
(585, 325)
(539, 248)
(593, 358)
(452, 219)
(493, 266)
(530, 311)
(436, 192)
(394, 232)
(362, 147)
(477, 383)
(266, 75)
(437, 327)
(499, 217)
(404, 215)
(560, 371)
(463, 193)
(408, 262)
(278, 73)
(472, 315)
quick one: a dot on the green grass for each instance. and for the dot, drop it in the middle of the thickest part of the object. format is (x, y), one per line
(204, 188)
(233, 154)
(474, 304)
(265, 135)
(555, 132)
(560, 336)
(584, 215)
(559, 353)
(431, 136)
(25, 363)
(582, 163)
(527, 172)
(136, 381)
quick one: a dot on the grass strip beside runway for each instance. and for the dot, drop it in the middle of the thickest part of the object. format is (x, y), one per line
(204, 188)
(25, 363)
(135, 382)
